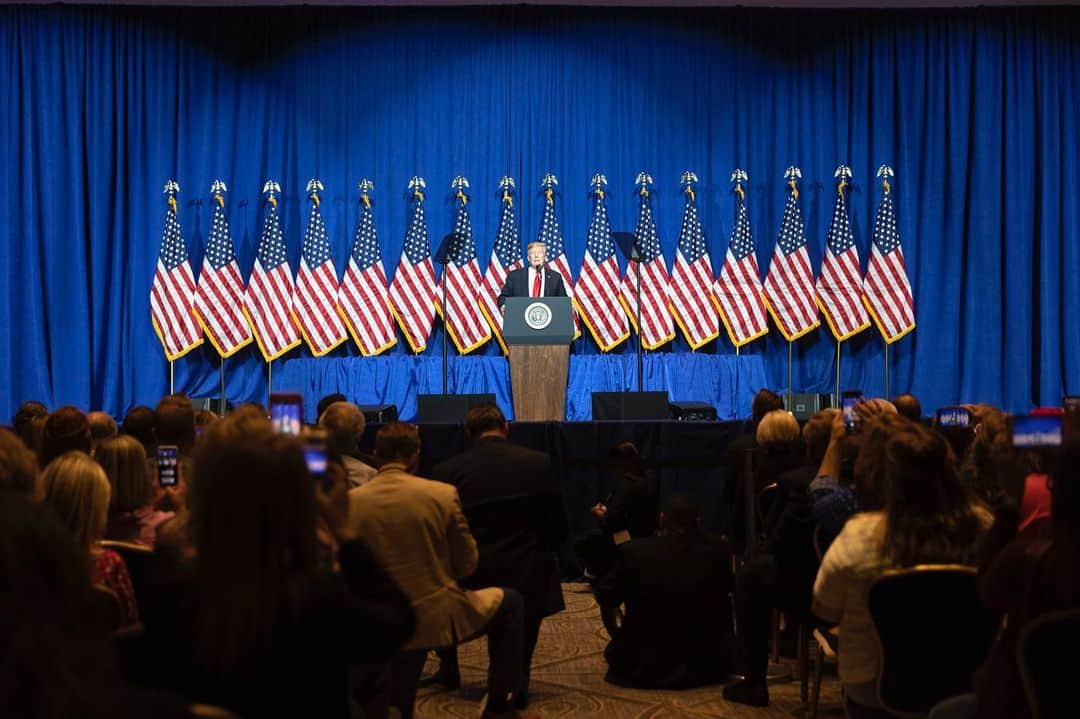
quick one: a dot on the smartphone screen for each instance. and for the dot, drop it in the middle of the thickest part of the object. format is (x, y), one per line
(168, 455)
(286, 412)
(1036, 430)
(848, 400)
(315, 457)
(953, 417)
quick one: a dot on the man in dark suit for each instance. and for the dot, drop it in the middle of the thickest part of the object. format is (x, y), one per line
(515, 511)
(536, 279)
(733, 492)
(677, 630)
(782, 576)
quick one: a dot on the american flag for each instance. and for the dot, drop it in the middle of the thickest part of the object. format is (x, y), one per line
(738, 288)
(413, 289)
(467, 327)
(219, 300)
(886, 286)
(551, 235)
(692, 281)
(597, 291)
(505, 257)
(789, 285)
(839, 287)
(315, 304)
(268, 302)
(363, 298)
(172, 291)
(658, 326)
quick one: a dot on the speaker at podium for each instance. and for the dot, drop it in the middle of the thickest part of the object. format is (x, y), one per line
(538, 332)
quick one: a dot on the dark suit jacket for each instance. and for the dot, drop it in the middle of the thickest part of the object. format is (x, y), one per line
(515, 511)
(789, 526)
(677, 629)
(517, 284)
(634, 506)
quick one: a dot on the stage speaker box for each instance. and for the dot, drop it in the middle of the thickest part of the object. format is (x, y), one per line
(214, 404)
(693, 411)
(630, 405)
(804, 406)
(379, 413)
(448, 408)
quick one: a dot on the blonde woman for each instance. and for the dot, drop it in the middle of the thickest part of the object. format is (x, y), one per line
(133, 516)
(78, 491)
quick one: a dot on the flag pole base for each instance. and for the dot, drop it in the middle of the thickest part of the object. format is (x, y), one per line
(886, 370)
(838, 345)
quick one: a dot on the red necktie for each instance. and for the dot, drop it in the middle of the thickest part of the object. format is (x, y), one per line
(536, 285)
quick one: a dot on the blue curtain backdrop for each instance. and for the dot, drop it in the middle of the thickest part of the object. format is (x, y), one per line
(975, 109)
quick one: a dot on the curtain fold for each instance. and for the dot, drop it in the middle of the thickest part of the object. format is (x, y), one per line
(975, 109)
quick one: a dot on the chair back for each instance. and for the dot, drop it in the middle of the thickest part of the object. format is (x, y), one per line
(933, 633)
(137, 558)
(1042, 655)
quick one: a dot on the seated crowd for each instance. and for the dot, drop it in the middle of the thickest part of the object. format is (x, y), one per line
(272, 586)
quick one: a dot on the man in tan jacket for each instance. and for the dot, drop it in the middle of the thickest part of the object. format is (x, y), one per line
(419, 534)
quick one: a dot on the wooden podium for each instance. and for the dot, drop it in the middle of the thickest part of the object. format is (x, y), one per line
(538, 332)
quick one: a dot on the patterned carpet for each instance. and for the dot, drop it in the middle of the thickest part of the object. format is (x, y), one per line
(568, 680)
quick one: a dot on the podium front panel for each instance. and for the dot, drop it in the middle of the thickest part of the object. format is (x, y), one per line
(538, 321)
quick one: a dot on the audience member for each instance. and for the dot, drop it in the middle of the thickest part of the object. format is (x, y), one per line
(631, 511)
(78, 491)
(514, 507)
(417, 530)
(1032, 576)
(990, 460)
(764, 401)
(250, 621)
(928, 516)
(325, 402)
(24, 425)
(344, 425)
(65, 430)
(56, 656)
(18, 467)
(174, 423)
(133, 516)
(782, 576)
(676, 630)
(203, 419)
(908, 406)
(850, 474)
(139, 423)
(102, 425)
(778, 450)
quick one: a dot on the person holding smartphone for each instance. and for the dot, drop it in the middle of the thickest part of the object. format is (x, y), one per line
(252, 619)
(133, 512)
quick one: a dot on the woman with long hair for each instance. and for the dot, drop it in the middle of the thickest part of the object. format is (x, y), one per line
(251, 619)
(133, 516)
(78, 491)
(927, 516)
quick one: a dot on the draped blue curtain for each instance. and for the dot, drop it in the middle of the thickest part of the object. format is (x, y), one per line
(976, 110)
